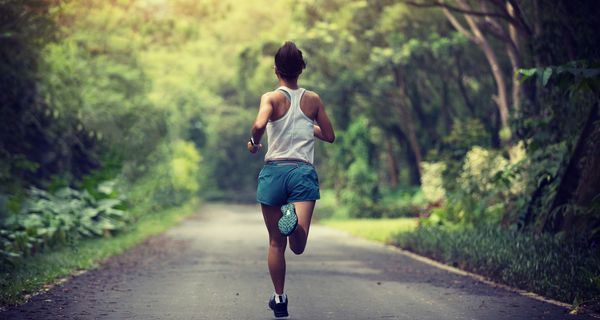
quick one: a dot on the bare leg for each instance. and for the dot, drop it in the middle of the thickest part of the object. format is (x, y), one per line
(304, 211)
(277, 244)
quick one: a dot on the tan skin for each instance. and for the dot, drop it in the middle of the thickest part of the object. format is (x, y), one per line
(273, 106)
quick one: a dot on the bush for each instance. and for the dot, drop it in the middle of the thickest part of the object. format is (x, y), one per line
(355, 173)
(465, 134)
(489, 186)
(184, 165)
(403, 202)
(361, 194)
(328, 207)
(432, 181)
(564, 270)
(170, 179)
(50, 219)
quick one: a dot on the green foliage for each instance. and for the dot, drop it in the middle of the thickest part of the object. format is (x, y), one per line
(432, 181)
(229, 171)
(567, 91)
(464, 135)
(382, 230)
(488, 189)
(185, 165)
(328, 207)
(577, 76)
(357, 185)
(402, 202)
(50, 219)
(170, 178)
(159, 96)
(565, 271)
(361, 192)
(36, 140)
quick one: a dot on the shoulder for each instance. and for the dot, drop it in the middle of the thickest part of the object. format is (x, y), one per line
(270, 98)
(268, 95)
(312, 97)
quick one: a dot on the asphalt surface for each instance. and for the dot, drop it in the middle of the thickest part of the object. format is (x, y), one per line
(213, 266)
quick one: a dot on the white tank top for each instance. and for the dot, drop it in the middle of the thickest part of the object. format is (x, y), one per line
(291, 136)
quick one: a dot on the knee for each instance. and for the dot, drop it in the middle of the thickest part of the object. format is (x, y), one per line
(278, 244)
(297, 250)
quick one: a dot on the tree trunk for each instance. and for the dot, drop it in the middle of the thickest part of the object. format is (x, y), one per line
(392, 164)
(476, 35)
(579, 183)
(415, 100)
(501, 98)
(516, 58)
(413, 161)
(461, 85)
(406, 120)
(445, 107)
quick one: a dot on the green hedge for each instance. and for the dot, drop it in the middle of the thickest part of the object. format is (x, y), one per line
(544, 264)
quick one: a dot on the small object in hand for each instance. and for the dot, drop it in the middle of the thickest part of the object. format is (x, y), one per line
(253, 147)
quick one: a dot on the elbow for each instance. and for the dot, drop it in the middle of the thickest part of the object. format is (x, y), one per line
(331, 138)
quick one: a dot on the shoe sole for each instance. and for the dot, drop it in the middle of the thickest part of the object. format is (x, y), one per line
(283, 223)
(286, 316)
(279, 315)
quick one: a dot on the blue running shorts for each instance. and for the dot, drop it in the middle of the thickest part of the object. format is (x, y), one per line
(285, 181)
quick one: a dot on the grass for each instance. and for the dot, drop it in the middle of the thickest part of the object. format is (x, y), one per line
(566, 271)
(31, 274)
(380, 230)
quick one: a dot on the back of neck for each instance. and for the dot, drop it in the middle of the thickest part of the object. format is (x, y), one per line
(289, 84)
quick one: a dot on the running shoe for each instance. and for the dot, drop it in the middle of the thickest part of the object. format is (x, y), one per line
(289, 221)
(279, 305)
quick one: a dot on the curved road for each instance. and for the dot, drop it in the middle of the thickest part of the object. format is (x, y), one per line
(212, 266)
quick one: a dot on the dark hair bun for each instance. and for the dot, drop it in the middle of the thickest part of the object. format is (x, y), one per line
(289, 61)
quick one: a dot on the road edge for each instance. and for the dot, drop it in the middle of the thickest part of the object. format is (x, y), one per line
(148, 226)
(474, 276)
(480, 278)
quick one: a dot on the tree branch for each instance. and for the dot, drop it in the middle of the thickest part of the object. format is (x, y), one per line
(498, 33)
(456, 24)
(439, 3)
(518, 15)
(516, 20)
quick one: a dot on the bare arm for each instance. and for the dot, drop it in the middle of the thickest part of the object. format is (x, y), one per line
(318, 132)
(260, 124)
(324, 128)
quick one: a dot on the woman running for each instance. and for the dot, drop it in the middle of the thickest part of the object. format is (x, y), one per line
(288, 185)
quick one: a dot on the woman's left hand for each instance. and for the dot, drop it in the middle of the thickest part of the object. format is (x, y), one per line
(254, 148)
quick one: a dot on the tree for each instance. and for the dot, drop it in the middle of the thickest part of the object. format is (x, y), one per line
(502, 19)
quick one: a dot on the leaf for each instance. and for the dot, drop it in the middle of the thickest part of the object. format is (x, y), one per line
(66, 193)
(527, 73)
(106, 187)
(106, 204)
(90, 212)
(115, 213)
(546, 76)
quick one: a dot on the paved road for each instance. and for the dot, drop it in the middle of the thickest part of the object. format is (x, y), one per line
(213, 266)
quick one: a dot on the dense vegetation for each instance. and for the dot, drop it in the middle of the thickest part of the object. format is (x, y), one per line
(491, 107)
(481, 116)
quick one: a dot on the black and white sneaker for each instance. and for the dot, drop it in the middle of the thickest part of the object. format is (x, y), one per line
(278, 303)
